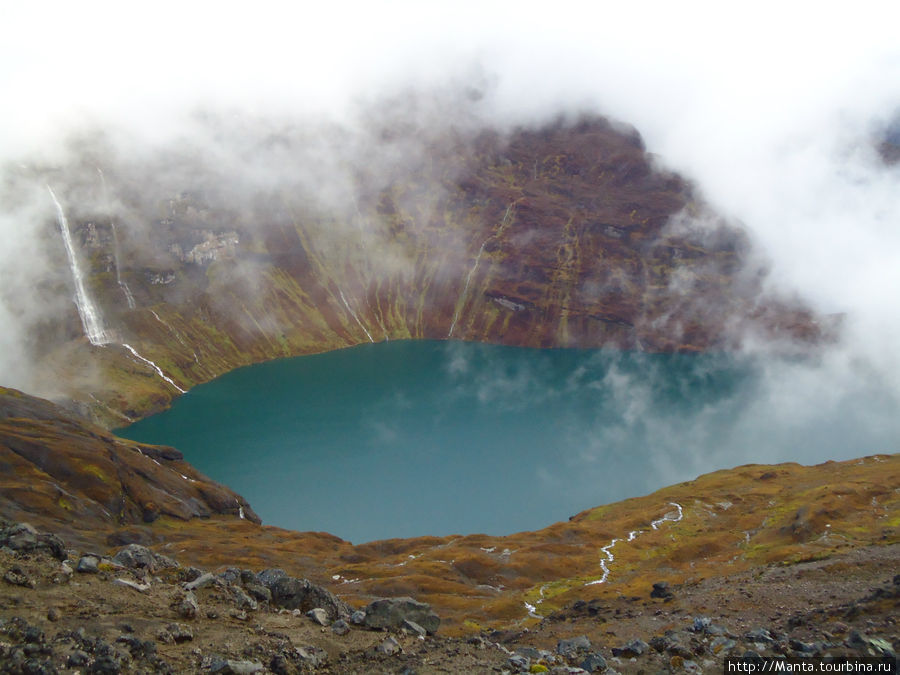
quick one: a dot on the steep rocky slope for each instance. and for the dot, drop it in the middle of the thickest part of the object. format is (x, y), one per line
(568, 235)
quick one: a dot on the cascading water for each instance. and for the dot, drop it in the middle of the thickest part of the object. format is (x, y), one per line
(91, 318)
(129, 298)
(155, 367)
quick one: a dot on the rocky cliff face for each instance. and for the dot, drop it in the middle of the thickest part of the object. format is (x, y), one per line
(569, 235)
(56, 469)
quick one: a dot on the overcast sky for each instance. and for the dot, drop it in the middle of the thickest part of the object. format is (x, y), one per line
(769, 106)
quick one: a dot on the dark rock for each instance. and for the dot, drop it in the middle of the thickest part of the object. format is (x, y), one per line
(180, 633)
(529, 652)
(661, 590)
(188, 607)
(631, 649)
(231, 575)
(572, 647)
(758, 635)
(594, 663)
(802, 648)
(258, 591)
(244, 601)
(24, 537)
(54, 614)
(340, 627)
(135, 556)
(870, 646)
(292, 593)
(358, 618)
(519, 662)
(312, 657)
(268, 577)
(77, 659)
(392, 612)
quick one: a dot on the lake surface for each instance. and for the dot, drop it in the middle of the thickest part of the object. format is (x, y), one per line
(409, 438)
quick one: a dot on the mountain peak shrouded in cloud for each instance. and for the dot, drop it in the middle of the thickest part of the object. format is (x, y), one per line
(311, 112)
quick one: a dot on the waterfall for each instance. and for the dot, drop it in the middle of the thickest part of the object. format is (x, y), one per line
(129, 298)
(91, 319)
(462, 297)
(354, 315)
(154, 366)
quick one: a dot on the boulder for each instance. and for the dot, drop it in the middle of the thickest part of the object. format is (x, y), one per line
(301, 594)
(392, 612)
(135, 556)
(573, 646)
(88, 564)
(23, 537)
(318, 615)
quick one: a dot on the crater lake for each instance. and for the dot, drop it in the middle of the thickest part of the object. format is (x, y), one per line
(409, 438)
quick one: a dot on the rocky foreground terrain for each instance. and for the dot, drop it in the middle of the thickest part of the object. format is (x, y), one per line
(138, 611)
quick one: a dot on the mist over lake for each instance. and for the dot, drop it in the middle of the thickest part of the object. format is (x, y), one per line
(410, 438)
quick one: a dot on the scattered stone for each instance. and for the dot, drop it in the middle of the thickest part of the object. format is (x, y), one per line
(180, 633)
(17, 577)
(141, 588)
(244, 601)
(231, 667)
(231, 575)
(77, 659)
(661, 590)
(572, 647)
(202, 581)
(392, 612)
(870, 646)
(268, 577)
(519, 662)
(318, 615)
(801, 648)
(188, 607)
(88, 564)
(340, 627)
(24, 537)
(631, 649)
(258, 591)
(240, 615)
(312, 657)
(358, 618)
(54, 614)
(135, 556)
(388, 646)
(758, 635)
(412, 628)
(292, 593)
(594, 663)
(722, 645)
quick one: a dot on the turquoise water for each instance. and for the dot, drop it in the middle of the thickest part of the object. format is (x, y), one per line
(410, 438)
